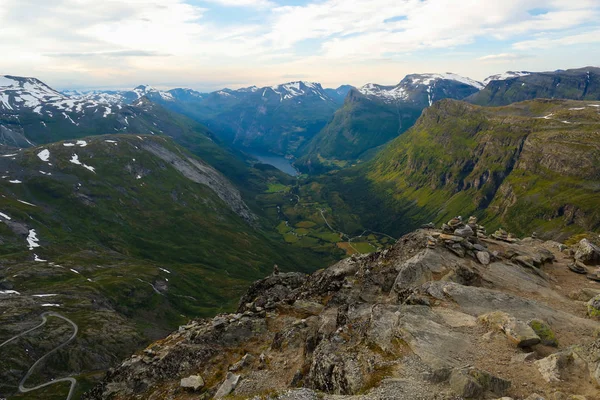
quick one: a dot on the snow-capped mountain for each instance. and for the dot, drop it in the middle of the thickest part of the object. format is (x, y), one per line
(374, 114)
(122, 96)
(19, 94)
(32, 112)
(415, 87)
(504, 76)
(298, 89)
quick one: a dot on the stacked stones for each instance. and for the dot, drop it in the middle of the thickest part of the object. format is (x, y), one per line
(504, 236)
(461, 239)
(479, 229)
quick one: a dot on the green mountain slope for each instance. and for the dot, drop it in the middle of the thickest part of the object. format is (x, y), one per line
(574, 84)
(530, 166)
(373, 115)
(130, 236)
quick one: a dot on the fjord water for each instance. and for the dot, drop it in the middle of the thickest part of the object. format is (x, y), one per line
(278, 161)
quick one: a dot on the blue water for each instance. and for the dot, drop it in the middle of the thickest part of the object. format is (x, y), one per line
(279, 162)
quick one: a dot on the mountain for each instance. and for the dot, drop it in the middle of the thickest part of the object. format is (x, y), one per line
(127, 236)
(129, 96)
(505, 76)
(277, 119)
(374, 114)
(435, 317)
(340, 93)
(31, 113)
(527, 167)
(512, 87)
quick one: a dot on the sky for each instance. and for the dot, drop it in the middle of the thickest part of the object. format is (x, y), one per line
(211, 44)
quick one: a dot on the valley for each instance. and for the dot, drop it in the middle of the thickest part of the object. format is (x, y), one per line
(128, 214)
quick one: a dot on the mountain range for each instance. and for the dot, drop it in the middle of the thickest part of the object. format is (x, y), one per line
(131, 212)
(374, 114)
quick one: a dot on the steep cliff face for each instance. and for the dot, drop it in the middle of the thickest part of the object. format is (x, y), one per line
(438, 316)
(463, 159)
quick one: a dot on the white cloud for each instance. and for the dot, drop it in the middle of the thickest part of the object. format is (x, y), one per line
(547, 42)
(131, 41)
(356, 29)
(243, 3)
(502, 57)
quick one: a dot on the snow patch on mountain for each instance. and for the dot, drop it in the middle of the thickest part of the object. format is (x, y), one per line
(387, 93)
(427, 79)
(44, 155)
(506, 75)
(290, 90)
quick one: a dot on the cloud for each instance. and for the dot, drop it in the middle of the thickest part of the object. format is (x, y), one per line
(365, 29)
(172, 40)
(243, 3)
(502, 57)
(547, 42)
(112, 54)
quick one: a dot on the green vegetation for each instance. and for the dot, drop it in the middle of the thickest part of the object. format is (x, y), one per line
(132, 249)
(508, 166)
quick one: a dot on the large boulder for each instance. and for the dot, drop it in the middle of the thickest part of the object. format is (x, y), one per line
(473, 383)
(516, 330)
(593, 307)
(557, 366)
(588, 253)
(228, 385)
(193, 382)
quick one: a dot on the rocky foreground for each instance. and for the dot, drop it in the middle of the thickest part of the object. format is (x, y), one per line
(443, 314)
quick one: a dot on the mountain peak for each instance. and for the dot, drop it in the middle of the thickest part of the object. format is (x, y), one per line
(427, 78)
(506, 75)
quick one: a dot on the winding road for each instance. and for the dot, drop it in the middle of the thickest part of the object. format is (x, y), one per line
(72, 381)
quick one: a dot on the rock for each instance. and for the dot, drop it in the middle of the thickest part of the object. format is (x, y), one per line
(452, 238)
(516, 330)
(593, 307)
(307, 308)
(219, 322)
(479, 247)
(587, 252)
(447, 229)
(429, 225)
(466, 231)
(577, 268)
(474, 383)
(457, 249)
(193, 382)
(584, 294)
(228, 385)
(464, 385)
(523, 358)
(543, 330)
(553, 367)
(472, 220)
(244, 362)
(534, 396)
(455, 222)
(483, 257)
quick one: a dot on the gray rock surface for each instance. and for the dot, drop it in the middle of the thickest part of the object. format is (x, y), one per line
(587, 252)
(193, 382)
(228, 386)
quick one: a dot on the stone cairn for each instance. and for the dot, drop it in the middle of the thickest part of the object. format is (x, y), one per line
(504, 236)
(462, 238)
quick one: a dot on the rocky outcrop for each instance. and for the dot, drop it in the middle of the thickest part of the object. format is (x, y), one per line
(401, 323)
(588, 253)
(203, 173)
